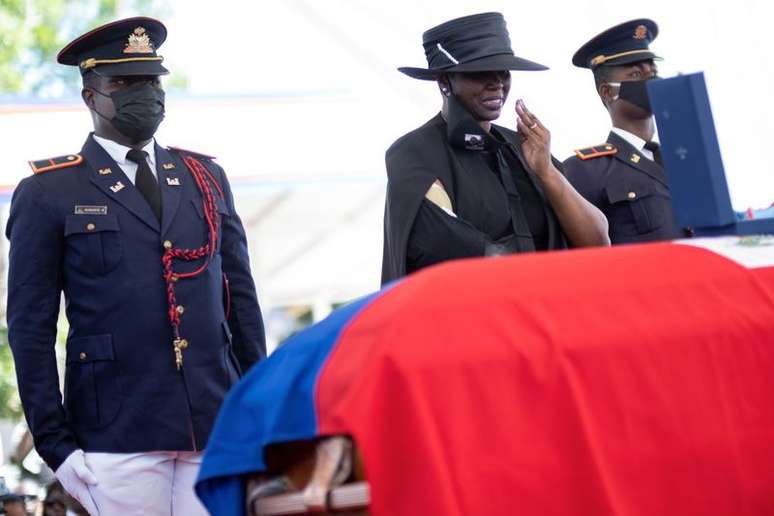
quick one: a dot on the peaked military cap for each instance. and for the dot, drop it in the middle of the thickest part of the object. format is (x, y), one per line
(476, 43)
(123, 47)
(623, 44)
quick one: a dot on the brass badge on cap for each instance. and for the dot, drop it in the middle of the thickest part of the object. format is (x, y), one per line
(641, 32)
(139, 43)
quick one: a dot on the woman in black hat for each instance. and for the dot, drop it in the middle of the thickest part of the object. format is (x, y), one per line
(460, 186)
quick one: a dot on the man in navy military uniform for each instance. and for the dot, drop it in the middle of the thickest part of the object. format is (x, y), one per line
(152, 258)
(624, 176)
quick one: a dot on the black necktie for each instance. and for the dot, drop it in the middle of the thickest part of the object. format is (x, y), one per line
(655, 148)
(145, 181)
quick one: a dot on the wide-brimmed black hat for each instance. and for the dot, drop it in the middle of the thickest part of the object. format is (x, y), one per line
(123, 47)
(623, 44)
(477, 43)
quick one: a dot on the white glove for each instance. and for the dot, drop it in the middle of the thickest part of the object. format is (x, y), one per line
(76, 477)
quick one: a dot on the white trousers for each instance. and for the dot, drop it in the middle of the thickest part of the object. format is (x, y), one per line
(146, 484)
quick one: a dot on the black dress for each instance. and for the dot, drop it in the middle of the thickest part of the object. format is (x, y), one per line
(498, 206)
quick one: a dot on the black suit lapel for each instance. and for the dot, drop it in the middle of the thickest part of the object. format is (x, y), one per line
(635, 159)
(106, 175)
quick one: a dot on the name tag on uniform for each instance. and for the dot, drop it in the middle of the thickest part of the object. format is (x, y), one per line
(90, 210)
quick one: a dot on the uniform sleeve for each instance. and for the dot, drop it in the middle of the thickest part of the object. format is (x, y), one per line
(245, 320)
(34, 289)
(585, 178)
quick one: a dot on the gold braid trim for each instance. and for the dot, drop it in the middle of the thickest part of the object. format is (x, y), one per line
(91, 62)
(603, 59)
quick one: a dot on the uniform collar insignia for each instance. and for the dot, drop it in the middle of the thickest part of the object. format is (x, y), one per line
(117, 187)
(173, 181)
(168, 166)
(104, 171)
(635, 158)
(139, 42)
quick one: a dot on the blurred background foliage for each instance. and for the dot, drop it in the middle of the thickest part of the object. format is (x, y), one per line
(10, 406)
(33, 31)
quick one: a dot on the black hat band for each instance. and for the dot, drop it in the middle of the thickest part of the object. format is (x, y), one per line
(91, 62)
(602, 59)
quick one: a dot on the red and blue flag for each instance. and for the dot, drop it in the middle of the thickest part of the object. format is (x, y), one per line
(630, 381)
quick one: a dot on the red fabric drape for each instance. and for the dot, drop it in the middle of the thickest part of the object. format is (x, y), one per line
(630, 381)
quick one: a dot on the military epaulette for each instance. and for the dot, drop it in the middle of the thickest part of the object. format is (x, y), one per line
(597, 151)
(47, 165)
(190, 153)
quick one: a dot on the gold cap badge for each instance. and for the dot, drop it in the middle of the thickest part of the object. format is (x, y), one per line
(139, 43)
(641, 32)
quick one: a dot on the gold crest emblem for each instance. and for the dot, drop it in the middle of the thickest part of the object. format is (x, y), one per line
(139, 43)
(641, 32)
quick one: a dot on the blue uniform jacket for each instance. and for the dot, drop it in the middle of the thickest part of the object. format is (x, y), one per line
(631, 190)
(75, 230)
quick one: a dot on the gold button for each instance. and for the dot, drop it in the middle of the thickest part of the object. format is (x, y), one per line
(82, 356)
(90, 226)
(70, 158)
(183, 344)
(180, 309)
(631, 195)
(167, 244)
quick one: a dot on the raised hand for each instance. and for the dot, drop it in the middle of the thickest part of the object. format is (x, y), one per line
(536, 147)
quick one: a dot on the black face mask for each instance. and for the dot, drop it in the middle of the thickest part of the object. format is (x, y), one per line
(634, 92)
(139, 110)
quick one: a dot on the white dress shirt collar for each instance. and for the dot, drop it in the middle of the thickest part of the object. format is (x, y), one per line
(118, 152)
(635, 141)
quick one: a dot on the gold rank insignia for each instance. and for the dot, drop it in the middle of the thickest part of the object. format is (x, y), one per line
(635, 158)
(596, 151)
(641, 32)
(105, 171)
(139, 43)
(168, 166)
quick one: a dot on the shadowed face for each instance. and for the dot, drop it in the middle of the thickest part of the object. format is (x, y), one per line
(482, 93)
(107, 85)
(96, 94)
(639, 71)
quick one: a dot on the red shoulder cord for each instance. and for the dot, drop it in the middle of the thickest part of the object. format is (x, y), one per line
(204, 182)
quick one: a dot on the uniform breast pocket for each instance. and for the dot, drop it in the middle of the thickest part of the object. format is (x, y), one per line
(220, 207)
(92, 393)
(93, 243)
(645, 205)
